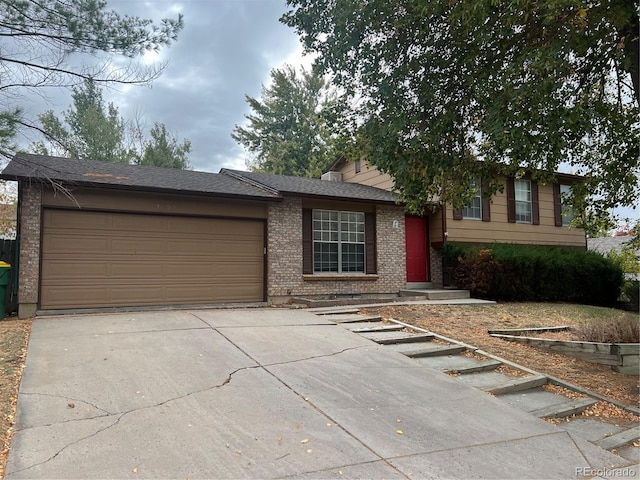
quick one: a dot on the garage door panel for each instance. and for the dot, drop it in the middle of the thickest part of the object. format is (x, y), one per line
(66, 243)
(127, 259)
(63, 269)
(69, 219)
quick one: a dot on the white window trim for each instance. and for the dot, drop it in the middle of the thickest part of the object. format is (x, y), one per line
(570, 215)
(523, 202)
(465, 209)
(339, 242)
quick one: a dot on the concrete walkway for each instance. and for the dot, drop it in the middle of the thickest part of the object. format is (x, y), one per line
(264, 393)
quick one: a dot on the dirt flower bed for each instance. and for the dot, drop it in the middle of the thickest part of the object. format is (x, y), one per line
(14, 335)
(469, 324)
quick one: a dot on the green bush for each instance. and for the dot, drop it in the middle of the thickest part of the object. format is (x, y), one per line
(631, 293)
(532, 273)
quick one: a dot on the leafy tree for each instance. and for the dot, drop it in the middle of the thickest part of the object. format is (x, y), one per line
(44, 44)
(520, 85)
(163, 149)
(293, 129)
(95, 131)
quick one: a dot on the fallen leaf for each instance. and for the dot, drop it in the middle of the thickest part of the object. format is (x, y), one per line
(71, 405)
(135, 469)
(399, 432)
(309, 451)
(306, 440)
(279, 439)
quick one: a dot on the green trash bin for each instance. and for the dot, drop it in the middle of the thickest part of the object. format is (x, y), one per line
(5, 269)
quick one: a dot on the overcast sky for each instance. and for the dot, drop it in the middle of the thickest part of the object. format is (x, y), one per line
(226, 50)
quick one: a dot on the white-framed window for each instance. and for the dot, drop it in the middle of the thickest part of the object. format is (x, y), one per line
(523, 201)
(567, 211)
(338, 242)
(473, 211)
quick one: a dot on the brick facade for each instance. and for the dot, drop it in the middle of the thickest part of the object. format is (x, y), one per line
(285, 278)
(30, 228)
(284, 254)
(436, 267)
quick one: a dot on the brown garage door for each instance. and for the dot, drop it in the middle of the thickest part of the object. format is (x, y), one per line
(104, 259)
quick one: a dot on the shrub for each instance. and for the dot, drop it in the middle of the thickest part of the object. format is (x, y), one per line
(621, 330)
(533, 273)
(631, 293)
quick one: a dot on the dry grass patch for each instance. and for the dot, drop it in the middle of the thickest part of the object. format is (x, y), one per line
(14, 335)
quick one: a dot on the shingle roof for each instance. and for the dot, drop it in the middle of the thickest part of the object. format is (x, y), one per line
(606, 244)
(131, 177)
(314, 187)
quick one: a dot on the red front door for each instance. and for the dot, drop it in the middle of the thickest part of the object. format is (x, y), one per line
(417, 248)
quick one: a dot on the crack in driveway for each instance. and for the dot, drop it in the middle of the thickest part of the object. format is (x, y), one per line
(120, 415)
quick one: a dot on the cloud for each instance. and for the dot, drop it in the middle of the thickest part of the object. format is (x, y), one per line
(226, 50)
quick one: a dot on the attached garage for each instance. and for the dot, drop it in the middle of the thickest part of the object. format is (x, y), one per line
(111, 259)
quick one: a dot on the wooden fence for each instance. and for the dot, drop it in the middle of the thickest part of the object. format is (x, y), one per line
(8, 254)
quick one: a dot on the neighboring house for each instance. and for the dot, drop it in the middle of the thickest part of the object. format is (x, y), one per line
(604, 245)
(525, 212)
(95, 235)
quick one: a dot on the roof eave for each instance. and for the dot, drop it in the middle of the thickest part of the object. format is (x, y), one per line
(131, 188)
(340, 198)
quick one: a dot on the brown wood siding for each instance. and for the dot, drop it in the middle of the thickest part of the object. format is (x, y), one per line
(436, 234)
(106, 259)
(368, 175)
(500, 230)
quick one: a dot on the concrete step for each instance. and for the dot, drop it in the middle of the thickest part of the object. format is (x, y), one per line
(333, 310)
(619, 439)
(459, 364)
(389, 338)
(436, 294)
(487, 366)
(518, 384)
(353, 318)
(565, 409)
(436, 351)
(377, 328)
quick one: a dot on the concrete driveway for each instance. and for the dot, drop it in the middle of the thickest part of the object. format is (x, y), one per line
(261, 393)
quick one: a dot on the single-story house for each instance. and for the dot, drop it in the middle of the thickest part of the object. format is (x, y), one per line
(94, 235)
(525, 212)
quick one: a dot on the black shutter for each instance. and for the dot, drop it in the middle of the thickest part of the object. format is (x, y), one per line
(557, 205)
(307, 241)
(370, 243)
(486, 203)
(511, 200)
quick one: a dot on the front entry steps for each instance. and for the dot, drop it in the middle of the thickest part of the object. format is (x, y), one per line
(519, 387)
(436, 294)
